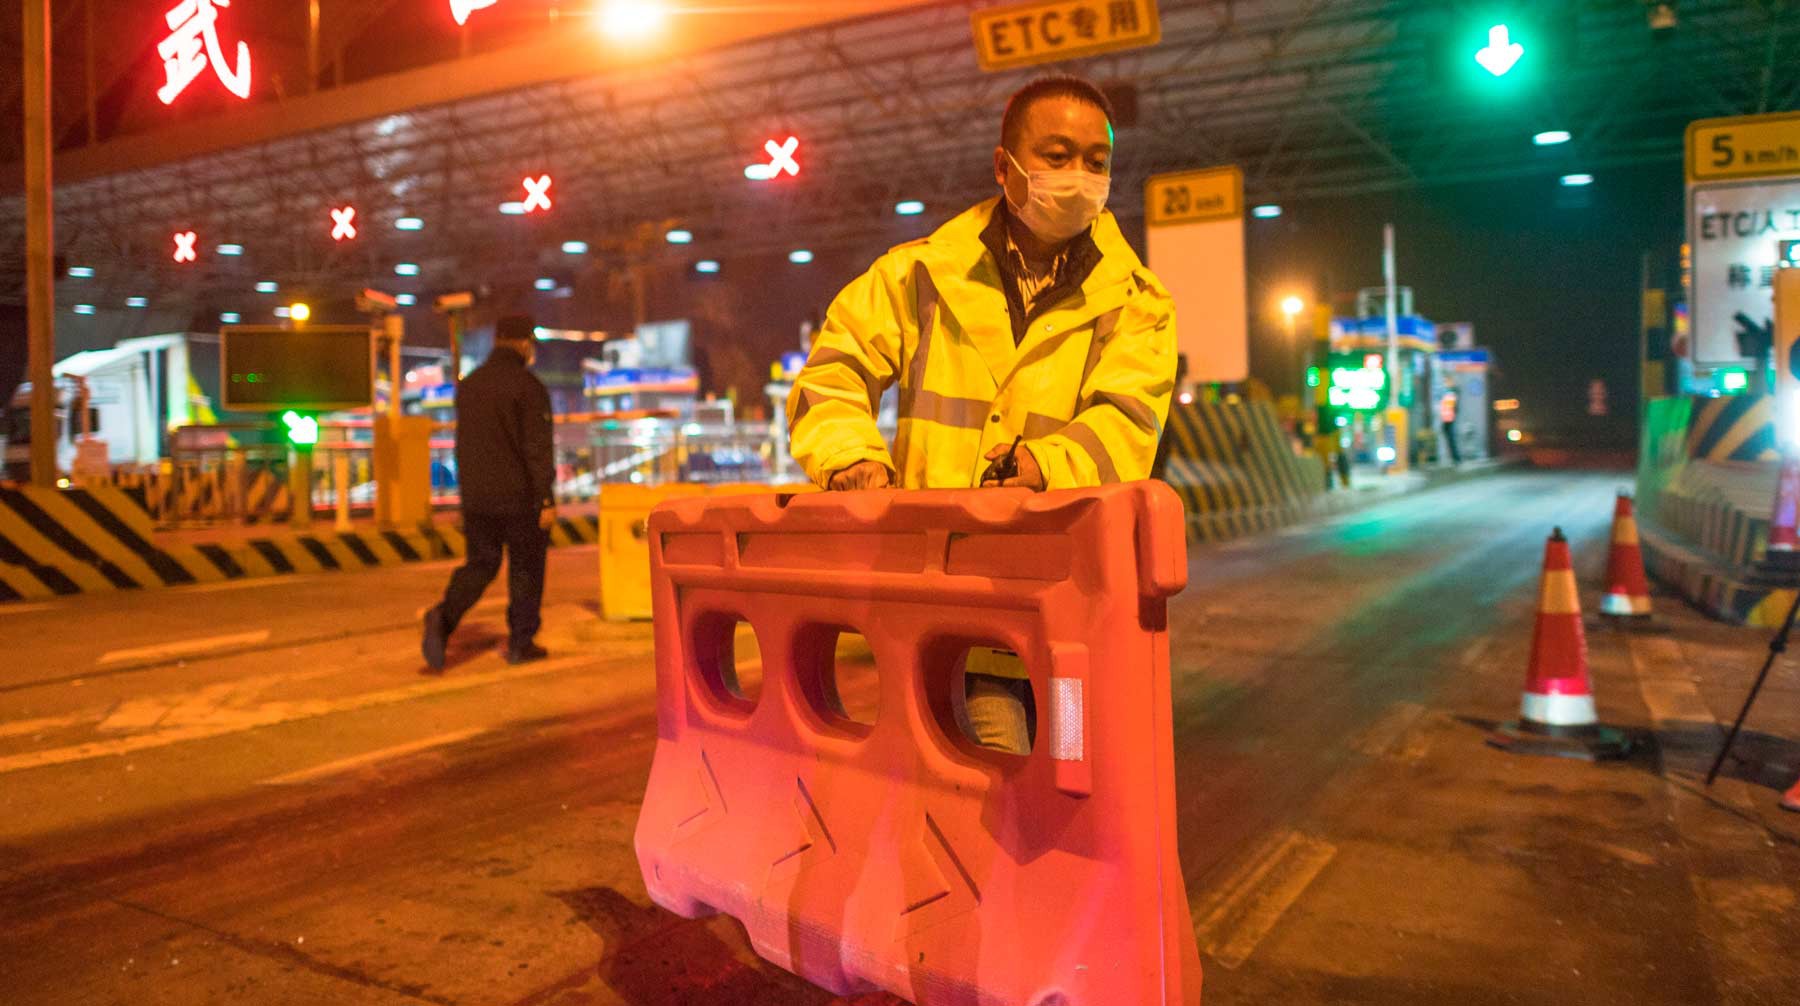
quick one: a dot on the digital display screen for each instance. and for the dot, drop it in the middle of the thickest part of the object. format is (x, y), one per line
(317, 368)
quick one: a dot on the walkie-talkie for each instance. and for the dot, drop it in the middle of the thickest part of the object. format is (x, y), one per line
(1005, 466)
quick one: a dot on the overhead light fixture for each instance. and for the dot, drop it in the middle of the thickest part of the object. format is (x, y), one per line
(1551, 137)
(299, 311)
(267, 286)
(800, 256)
(632, 20)
(513, 208)
(229, 318)
(574, 247)
(84, 309)
(909, 208)
(707, 266)
(230, 249)
(283, 311)
(409, 224)
(137, 302)
(81, 272)
(545, 283)
(679, 237)
(1267, 211)
(407, 269)
(406, 299)
(1577, 180)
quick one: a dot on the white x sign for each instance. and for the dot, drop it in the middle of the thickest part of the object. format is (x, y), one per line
(184, 247)
(781, 158)
(341, 227)
(537, 193)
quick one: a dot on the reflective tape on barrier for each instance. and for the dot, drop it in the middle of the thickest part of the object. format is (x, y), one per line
(896, 854)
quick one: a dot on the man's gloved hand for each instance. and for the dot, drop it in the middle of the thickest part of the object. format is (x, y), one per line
(862, 475)
(1027, 474)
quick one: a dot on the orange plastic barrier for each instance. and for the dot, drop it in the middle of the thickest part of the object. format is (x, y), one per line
(897, 855)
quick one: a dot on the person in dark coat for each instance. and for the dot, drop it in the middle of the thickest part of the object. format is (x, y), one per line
(506, 464)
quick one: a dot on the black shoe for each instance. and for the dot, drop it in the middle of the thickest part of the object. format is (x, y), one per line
(432, 645)
(525, 654)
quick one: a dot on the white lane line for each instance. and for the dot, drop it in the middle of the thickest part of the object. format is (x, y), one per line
(182, 647)
(492, 602)
(245, 584)
(372, 757)
(275, 713)
(18, 728)
(1248, 907)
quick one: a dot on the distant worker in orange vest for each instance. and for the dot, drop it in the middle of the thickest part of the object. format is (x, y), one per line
(1032, 349)
(1447, 406)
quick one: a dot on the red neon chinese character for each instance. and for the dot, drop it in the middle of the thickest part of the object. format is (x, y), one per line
(341, 227)
(184, 247)
(461, 9)
(537, 193)
(781, 158)
(193, 25)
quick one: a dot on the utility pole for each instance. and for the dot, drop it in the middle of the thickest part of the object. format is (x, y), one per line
(1393, 312)
(40, 292)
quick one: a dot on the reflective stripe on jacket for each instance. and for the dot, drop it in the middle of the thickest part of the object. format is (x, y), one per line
(1088, 387)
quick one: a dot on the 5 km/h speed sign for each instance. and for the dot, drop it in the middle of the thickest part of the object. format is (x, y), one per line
(1750, 146)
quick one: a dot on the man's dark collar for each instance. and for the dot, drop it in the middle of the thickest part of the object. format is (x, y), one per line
(506, 354)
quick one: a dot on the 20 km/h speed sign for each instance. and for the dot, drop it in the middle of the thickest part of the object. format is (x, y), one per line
(1749, 146)
(1212, 194)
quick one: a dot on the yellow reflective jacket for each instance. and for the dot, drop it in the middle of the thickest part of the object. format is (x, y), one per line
(1088, 386)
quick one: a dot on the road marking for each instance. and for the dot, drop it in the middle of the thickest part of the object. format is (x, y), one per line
(182, 648)
(492, 602)
(244, 584)
(1249, 906)
(22, 727)
(1390, 736)
(361, 760)
(19, 609)
(276, 713)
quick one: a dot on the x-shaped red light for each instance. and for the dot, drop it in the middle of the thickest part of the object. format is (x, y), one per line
(341, 227)
(537, 193)
(781, 158)
(184, 247)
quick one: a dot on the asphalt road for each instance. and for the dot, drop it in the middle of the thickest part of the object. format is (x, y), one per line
(250, 794)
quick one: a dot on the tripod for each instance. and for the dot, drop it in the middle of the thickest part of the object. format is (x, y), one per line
(1777, 646)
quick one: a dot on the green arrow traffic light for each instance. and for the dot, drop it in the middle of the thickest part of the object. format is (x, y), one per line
(302, 431)
(1501, 53)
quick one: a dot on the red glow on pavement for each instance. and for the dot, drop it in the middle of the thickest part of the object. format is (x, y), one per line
(184, 247)
(341, 226)
(193, 43)
(537, 193)
(781, 158)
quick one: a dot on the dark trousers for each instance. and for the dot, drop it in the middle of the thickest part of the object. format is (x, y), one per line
(1450, 442)
(525, 545)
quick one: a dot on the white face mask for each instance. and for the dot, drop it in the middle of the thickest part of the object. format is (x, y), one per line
(1060, 204)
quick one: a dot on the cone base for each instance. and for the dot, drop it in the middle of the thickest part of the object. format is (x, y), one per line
(1625, 606)
(1590, 743)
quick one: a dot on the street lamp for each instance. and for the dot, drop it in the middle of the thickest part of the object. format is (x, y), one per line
(1291, 306)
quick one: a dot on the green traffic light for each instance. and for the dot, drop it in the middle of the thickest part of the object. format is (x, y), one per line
(302, 431)
(1501, 53)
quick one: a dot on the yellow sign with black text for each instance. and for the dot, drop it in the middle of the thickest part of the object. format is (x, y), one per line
(1211, 194)
(1749, 146)
(1049, 30)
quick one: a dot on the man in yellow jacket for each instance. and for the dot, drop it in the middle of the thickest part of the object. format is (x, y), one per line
(1026, 320)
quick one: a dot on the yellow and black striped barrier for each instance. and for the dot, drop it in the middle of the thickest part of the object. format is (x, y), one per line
(71, 541)
(1236, 471)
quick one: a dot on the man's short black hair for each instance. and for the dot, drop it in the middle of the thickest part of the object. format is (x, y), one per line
(1059, 85)
(515, 328)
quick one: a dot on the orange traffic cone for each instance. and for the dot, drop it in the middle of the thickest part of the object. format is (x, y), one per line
(1627, 588)
(1556, 715)
(1791, 799)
